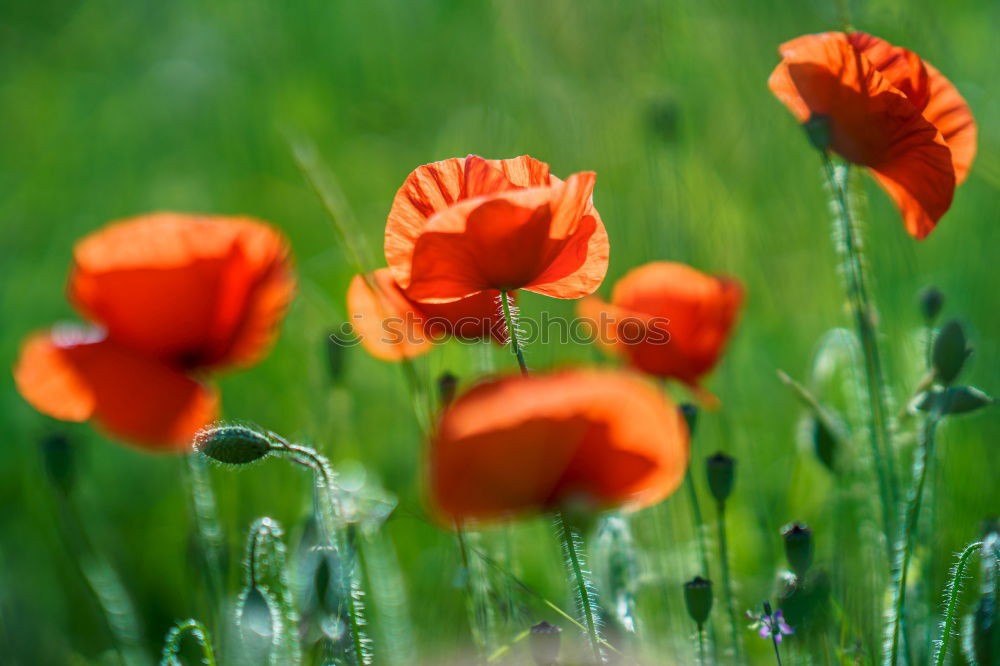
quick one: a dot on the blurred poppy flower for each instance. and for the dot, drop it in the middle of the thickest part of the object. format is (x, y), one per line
(463, 226)
(171, 297)
(884, 108)
(393, 327)
(667, 319)
(523, 444)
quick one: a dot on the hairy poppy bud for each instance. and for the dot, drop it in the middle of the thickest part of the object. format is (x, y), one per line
(232, 444)
(818, 130)
(690, 414)
(698, 598)
(721, 470)
(447, 386)
(545, 643)
(798, 547)
(931, 301)
(949, 353)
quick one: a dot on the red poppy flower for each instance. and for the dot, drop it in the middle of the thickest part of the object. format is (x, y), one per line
(524, 444)
(393, 327)
(463, 226)
(172, 296)
(888, 110)
(668, 319)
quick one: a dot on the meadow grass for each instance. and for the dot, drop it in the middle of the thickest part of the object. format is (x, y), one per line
(110, 109)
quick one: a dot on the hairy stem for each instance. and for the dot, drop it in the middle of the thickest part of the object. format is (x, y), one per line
(864, 319)
(571, 550)
(173, 643)
(512, 331)
(904, 546)
(951, 599)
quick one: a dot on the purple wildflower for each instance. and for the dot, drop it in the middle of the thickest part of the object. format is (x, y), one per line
(770, 626)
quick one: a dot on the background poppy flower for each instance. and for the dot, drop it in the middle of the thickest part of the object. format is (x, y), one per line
(463, 226)
(524, 444)
(393, 327)
(668, 319)
(171, 296)
(888, 110)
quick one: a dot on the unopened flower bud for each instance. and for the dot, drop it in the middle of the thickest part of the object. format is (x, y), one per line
(949, 352)
(232, 444)
(931, 301)
(698, 598)
(447, 386)
(336, 341)
(798, 547)
(818, 130)
(721, 471)
(690, 414)
(545, 643)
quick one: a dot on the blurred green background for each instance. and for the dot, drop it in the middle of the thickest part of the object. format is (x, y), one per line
(109, 109)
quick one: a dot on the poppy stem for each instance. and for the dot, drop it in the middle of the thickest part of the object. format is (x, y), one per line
(571, 542)
(904, 545)
(857, 293)
(727, 582)
(951, 596)
(512, 331)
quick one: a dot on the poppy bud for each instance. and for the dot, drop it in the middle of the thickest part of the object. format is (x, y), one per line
(690, 414)
(545, 643)
(58, 458)
(721, 471)
(824, 443)
(698, 598)
(232, 444)
(931, 301)
(447, 386)
(818, 130)
(949, 353)
(798, 547)
(335, 357)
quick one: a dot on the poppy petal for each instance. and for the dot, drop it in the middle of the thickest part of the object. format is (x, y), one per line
(899, 66)
(388, 324)
(523, 444)
(950, 114)
(188, 290)
(133, 398)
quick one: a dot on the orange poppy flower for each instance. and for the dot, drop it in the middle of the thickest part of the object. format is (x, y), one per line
(667, 319)
(463, 226)
(393, 327)
(887, 110)
(171, 296)
(524, 444)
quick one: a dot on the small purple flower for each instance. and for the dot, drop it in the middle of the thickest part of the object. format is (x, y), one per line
(770, 626)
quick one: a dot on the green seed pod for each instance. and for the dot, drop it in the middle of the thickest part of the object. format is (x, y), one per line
(690, 414)
(698, 598)
(232, 444)
(931, 301)
(818, 130)
(949, 353)
(721, 472)
(447, 386)
(545, 643)
(798, 548)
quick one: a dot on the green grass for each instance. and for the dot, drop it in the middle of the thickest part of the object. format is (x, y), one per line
(109, 109)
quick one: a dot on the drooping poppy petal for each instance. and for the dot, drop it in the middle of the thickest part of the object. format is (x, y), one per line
(887, 110)
(524, 444)
(668, 319)
(137, 399)
(389, 326)
(192, 291)
(544, 239)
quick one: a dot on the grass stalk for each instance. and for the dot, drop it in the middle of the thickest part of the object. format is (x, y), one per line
(864, 319)
(571, 546)
(951, 601)
(208, 532)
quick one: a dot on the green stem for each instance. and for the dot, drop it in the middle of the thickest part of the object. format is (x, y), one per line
(726, 581)
(699, 523)
(512, 332)
(954, 586)
(857, 293)
(198, 632)
(904, 546)
(207, 530)
(570, 543)
(702, 656)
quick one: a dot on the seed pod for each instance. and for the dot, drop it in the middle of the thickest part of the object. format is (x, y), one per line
(931, 301)
(698, 598)
(721, 472)
(798, 548)
(690, 414)
(545, 641)
(232, 444)
(949, 353)
(58, 457)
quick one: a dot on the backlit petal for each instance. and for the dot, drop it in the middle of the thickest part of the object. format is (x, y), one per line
(388, 324)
